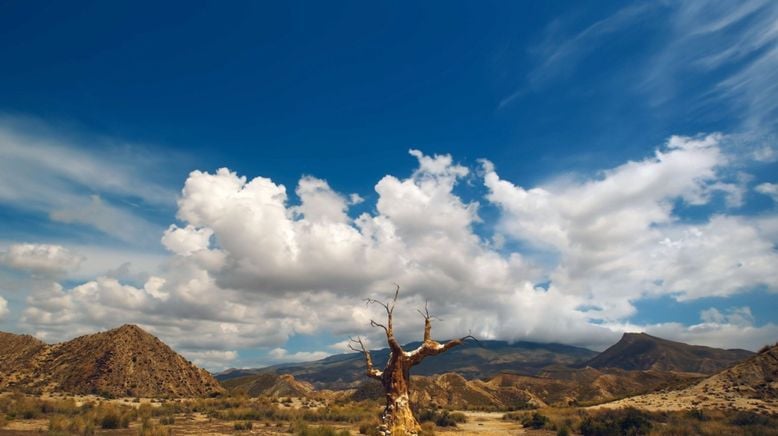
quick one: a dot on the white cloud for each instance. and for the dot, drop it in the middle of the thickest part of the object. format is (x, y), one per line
(216, 360)
(249, 269)
(732, 328)
(277, 269)
(765, 153)
(740, 316)
(281, 355)
(3, 308)
(187, 240)
(769, 189)
(320, 203)
(41, 258)
(618, 239)
(354, 198)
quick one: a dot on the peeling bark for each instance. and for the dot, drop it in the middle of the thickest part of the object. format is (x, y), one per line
(397, 418)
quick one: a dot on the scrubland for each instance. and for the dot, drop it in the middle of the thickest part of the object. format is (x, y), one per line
(67, 415)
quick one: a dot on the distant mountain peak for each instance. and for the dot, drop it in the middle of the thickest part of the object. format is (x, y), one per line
(641, 351)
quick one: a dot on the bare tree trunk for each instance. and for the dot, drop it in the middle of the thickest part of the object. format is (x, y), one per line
(398, 418)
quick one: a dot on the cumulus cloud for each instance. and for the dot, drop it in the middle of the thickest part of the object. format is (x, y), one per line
(618, 239)
(276, 269)
(249, 268)
(187, 240)
(41, 258)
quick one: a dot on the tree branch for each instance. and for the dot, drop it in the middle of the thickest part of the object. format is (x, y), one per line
(371, 371)
(389, 307)
(427, 321)
(433, 348)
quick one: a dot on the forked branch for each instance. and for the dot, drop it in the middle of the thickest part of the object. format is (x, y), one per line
(371, 371)
(389, 307)
(431, 347)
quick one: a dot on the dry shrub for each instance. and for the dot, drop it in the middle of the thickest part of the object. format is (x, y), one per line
(148, 428)
(628, 421)
(369, 427)
(303, 429)
(75, 425)
(427, 429)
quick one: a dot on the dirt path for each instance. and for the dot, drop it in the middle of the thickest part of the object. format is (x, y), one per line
(484, 423)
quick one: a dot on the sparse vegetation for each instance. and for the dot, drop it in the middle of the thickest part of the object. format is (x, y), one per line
(303, 429)
(441, 418)
(535, 420)
(243, 425)
(369, 428)
(627, 421)
(242, 414)
(149, 428)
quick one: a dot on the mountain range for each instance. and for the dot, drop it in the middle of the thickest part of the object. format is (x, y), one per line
(471, 360)
(635, 351)
(128, 361)
(500, 375)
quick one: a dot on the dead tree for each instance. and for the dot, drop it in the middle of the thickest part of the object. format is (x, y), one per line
(397, 418)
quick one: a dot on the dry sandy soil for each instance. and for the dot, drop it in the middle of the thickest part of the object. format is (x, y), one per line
(479, 423)
(485, 423)
(686, 400)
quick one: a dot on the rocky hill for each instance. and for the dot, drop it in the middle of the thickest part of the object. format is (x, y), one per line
(749, 385)
(472, 361)
(639, 351)
(126, 361)
(17, 351)
(504, 391)
(269, 385)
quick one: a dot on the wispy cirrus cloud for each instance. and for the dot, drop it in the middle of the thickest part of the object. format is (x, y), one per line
(101, 185)
(717, 59)
(735, 44)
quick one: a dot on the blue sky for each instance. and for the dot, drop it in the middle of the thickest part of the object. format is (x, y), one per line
(630, 182)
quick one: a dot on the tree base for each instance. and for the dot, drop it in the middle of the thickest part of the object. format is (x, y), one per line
(398, 419)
